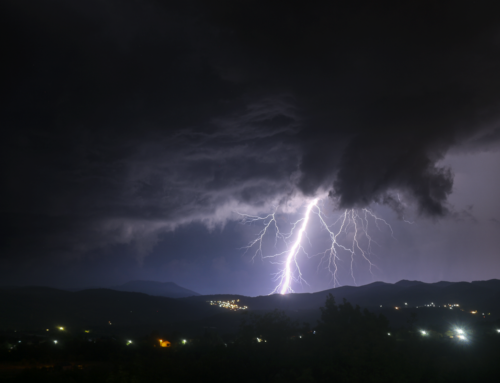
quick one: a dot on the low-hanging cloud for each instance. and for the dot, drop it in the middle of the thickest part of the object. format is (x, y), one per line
(127, 119)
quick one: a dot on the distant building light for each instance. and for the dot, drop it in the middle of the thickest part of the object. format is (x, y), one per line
(389, 333)
(129, 342)
(61, 328)
(424, 332)
(406, 304)
(55, 341)
(460, 331)
(461, 337)
(184, 341)
(498, 331)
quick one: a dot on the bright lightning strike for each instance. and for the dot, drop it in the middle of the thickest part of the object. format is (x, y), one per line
(351, 222)
(292, 255)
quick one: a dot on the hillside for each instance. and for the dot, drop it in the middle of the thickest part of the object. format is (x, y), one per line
(480, 294)
(42, 307)
(121, 311)
(162, 289)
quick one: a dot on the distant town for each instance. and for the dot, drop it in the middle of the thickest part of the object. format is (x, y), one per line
(230, 305)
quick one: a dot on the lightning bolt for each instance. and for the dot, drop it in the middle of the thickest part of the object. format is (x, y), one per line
(292, 254)
(351, 222)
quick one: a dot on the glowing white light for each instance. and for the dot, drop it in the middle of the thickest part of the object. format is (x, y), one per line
(461, 337)
(352, 224)
(285, 283)
(460, 331)
(184, 341)
(55, 341)
(424, 332)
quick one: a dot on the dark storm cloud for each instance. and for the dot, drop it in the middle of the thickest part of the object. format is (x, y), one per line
(128, 118)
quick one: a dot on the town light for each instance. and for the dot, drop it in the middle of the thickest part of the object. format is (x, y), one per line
(460, 331)
(61, 328)
(184, 341)
(424, 332)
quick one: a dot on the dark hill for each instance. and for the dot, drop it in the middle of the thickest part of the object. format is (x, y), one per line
(483, 295)
(41, 307)
(406, 283)
(163, 289)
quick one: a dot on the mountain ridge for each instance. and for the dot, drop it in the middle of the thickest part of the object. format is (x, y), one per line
(164, 289)
(45, 307)
(153, 288)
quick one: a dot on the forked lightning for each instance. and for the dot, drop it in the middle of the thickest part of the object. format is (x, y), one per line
(351, 221)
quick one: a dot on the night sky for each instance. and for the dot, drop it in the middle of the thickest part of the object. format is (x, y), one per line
(133, 131)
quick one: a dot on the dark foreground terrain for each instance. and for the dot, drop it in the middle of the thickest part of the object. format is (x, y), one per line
(410, 332)
(130, 314)
(347, 345)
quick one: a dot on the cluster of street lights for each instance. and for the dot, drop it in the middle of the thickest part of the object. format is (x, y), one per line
(460, 333)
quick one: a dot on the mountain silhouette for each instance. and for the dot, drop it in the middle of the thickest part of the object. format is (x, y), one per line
(128, 312)
(162, 289)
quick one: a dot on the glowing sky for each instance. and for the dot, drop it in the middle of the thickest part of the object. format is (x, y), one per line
(134, 130)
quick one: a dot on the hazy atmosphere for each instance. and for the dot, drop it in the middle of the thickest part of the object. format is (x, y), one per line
(138, 134)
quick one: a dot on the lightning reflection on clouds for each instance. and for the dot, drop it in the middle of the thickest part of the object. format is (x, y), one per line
(349, 234)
